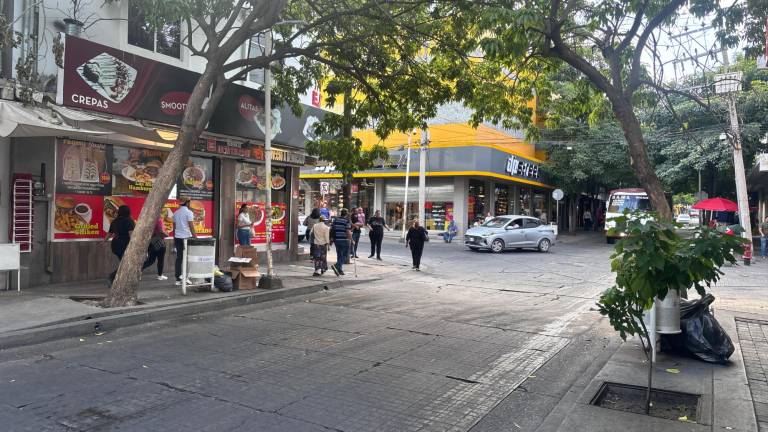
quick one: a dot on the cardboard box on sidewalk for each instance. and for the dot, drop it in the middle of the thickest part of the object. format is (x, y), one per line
(247, 252)
(244, 267)
(245, 278)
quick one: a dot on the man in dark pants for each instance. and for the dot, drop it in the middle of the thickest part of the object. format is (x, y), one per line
(341, 230)
(376, 226)
(183, 228)
(415, 239)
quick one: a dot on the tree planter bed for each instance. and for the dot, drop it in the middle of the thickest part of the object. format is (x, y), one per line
(666, 404)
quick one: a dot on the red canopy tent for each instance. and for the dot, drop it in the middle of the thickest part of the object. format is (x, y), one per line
(717, 204)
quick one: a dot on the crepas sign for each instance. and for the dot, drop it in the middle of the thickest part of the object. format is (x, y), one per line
(522, 168)
(101, 78)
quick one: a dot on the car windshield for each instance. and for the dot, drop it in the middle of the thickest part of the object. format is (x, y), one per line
(620, 202)
(497, 222)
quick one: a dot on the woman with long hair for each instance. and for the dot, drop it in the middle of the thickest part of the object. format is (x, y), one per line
(244, 226)
(120, 232)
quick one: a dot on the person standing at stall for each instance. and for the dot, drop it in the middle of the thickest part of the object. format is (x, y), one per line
(156, 249)
(376, 226)
(341, 234)
(415, 240)
(120, 232)
(183, 229)
(320, 241)
(244, 226)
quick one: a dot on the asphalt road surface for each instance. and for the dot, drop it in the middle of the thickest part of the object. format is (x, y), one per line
(476, 341)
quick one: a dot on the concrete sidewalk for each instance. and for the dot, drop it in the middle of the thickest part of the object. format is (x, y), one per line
(733, 396)
(67, 310)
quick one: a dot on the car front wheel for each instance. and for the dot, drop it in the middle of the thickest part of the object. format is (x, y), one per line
(544, 245)
(497, 246)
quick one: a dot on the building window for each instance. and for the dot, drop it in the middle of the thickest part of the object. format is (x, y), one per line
(165, 40)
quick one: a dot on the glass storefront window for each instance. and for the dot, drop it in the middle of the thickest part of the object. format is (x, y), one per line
(502, 205)
(525, 201)
(539, 205)
(476, 201)
(438, 203)
(251, 190)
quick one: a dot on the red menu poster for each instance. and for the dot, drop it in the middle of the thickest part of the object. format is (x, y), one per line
(256, 212)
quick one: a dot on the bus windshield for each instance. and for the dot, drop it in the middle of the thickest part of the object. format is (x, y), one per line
(620, 202)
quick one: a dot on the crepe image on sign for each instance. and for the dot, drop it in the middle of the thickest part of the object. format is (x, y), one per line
(276, 118)
(108, 76)
(278, 182)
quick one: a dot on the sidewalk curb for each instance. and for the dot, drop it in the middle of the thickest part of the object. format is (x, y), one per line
(86, 324)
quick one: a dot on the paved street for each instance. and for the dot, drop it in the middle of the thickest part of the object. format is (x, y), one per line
(456, 347)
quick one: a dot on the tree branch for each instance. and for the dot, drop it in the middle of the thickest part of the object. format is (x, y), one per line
(634, 73)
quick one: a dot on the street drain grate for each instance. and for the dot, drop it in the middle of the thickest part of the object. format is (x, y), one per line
(665, 404)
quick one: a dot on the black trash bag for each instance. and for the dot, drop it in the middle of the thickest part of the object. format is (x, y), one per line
(223, 283)
(702, 336)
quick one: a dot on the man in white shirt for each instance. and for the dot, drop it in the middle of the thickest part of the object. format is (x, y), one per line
(183, 228)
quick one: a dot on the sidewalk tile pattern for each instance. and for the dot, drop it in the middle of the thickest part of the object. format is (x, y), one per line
(753, 338)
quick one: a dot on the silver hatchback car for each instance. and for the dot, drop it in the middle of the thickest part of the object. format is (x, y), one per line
(510, 232)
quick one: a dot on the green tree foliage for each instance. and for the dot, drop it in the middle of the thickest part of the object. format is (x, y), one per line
(604, 41)
(373, 47)
(651, 260)
(684, 134)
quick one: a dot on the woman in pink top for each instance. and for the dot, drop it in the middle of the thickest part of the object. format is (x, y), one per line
(156, 250)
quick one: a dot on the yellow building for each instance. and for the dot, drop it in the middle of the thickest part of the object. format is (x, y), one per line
(470, 172)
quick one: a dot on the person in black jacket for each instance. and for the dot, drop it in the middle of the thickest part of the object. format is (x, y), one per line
(415, 239)
(376, 225)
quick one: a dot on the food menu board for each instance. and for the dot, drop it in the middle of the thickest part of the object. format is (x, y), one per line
(83, 168)
(256, 211)
(85, 208)
(196, 180)
(134, 170)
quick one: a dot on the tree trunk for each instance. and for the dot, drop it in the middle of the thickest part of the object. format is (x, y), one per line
(124, 287)
(641, 165)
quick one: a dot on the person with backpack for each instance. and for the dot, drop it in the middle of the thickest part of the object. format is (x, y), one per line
(415, 240)
(341, 235)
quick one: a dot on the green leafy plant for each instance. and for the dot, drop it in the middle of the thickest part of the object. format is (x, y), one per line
(651, 260)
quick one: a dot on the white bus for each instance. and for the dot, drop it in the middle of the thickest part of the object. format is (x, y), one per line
(620, 200)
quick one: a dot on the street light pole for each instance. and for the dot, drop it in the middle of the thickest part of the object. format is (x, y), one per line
(730, 84)
(407, 175)
(270, 280)
(422, 175)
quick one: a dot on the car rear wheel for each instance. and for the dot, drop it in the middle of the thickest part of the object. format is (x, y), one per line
(544, 245)
(497, 246)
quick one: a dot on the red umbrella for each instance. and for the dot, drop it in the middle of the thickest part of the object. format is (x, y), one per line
(716, 204)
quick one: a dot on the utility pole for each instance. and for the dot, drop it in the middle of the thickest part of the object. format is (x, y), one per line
(422, 175)
(270, 280)
(407, 176)
(729, 84)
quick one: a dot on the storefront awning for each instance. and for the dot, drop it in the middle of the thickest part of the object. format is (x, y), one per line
(18, 120)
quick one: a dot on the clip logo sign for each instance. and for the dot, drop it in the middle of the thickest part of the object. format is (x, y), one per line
(521, 168)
